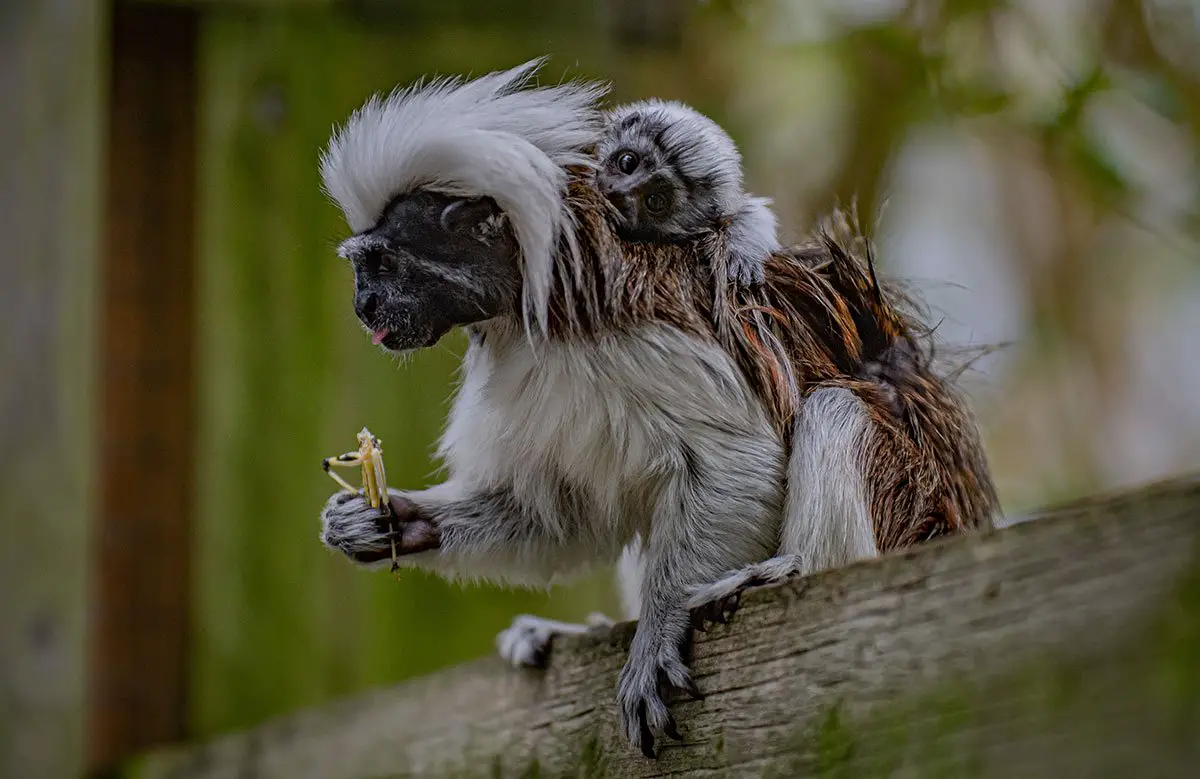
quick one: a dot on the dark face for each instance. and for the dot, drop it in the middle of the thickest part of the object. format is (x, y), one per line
(432, 263)
(664, 173)
(645, 190)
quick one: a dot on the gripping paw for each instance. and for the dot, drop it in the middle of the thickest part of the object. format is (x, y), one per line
(719, 610)
(527, 642)
(719, 601)
(366, 535)
(645, 679)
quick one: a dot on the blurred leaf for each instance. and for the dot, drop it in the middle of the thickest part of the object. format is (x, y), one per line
(1076, 96)
(1104, 179)
(1156, 92)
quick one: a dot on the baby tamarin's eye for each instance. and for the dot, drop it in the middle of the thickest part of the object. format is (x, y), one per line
(627, 162)
(656, 203)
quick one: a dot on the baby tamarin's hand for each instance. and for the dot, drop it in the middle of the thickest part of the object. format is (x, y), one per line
(365, 534)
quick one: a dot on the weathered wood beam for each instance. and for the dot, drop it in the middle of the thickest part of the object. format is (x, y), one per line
(1064, 646)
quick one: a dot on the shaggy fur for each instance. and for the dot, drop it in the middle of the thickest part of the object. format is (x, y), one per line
(662, 417)
(693, 167)
(489, 136)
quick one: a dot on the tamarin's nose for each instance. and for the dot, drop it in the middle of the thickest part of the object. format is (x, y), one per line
(365, 304)
(624, 202)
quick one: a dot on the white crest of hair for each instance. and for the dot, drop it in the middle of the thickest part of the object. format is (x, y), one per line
(490, 136)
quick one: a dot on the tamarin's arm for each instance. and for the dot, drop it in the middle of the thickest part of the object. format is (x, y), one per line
(753, 237)
(465, 532)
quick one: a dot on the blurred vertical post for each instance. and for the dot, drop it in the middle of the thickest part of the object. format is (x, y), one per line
(635, 23)
(142, 544)
(50, 90)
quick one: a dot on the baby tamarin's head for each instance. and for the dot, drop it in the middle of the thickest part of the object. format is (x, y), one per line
(669, 170)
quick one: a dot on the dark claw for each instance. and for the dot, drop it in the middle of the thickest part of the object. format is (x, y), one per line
(689, 690)
(717, 611)
(541, 658)
(647, 737)
(672, 730)
(730, 608)
(724, 609)
(692, 691)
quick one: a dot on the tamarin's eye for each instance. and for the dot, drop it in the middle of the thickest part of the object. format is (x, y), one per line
(627, 162)
(656, 203)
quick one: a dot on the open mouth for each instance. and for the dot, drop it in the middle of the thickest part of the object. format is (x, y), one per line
(396, 343)
(388, 340)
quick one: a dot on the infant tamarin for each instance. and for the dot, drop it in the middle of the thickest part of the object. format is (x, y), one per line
(673, 173)
(612, 405)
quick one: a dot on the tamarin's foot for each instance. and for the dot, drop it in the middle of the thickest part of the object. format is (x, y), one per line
(719, 601)
(656, 668)
(720, 610)
(527, 642)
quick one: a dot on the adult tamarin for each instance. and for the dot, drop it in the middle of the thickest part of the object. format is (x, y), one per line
(623, 400)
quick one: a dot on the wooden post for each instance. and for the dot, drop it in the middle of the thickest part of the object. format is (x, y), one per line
(50, 101)
(141, 578)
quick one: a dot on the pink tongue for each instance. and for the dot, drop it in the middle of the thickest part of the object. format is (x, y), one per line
(378, 336)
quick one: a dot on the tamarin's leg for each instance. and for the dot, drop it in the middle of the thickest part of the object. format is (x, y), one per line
(717, 512)
(527, 642)
(715, 509)
(827, 520)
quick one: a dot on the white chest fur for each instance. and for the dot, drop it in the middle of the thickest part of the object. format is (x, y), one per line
(608, 418)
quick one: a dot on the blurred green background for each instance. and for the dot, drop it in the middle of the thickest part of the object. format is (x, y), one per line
(1037, 160)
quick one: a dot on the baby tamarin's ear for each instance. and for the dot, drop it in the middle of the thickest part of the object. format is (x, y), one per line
(753, 234)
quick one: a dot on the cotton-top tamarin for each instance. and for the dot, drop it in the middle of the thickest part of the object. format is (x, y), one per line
(622, 401)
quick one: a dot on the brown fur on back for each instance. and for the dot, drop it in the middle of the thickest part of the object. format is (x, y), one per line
(821, 319)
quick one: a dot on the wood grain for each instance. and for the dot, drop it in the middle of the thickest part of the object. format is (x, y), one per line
(1063, 646)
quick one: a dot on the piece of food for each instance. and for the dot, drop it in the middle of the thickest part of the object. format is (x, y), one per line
(369, 458)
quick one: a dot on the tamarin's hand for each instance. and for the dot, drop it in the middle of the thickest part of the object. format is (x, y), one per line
(365, 534)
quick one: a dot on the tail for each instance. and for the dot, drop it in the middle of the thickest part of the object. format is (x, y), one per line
(886, 320)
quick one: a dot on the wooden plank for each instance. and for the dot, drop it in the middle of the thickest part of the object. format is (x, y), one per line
(147, 394)
(51, 93)
(1065, 646)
